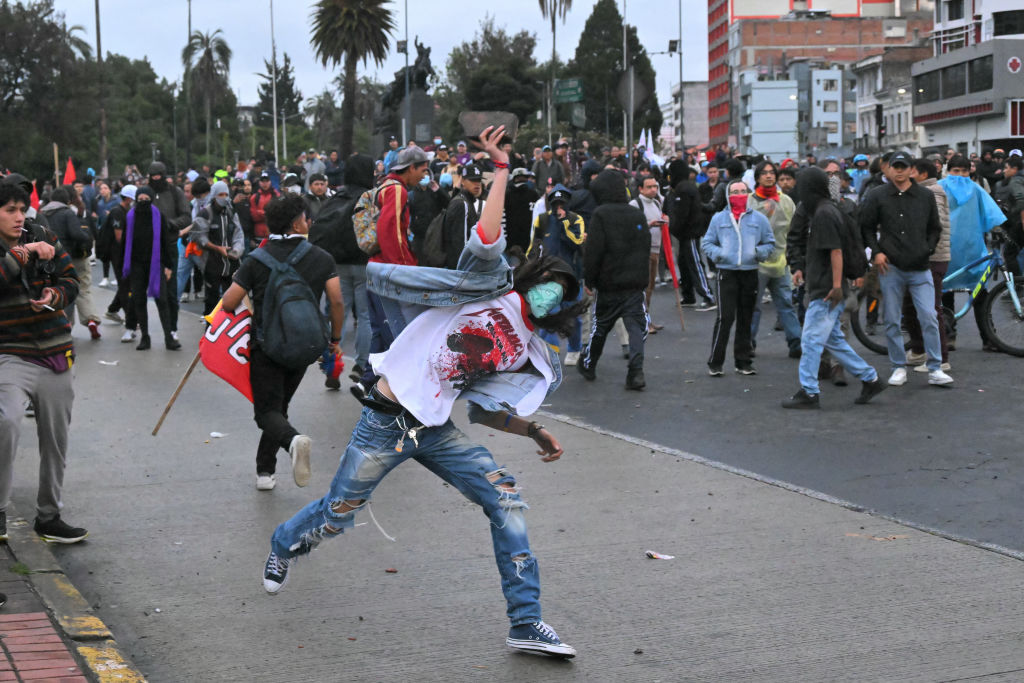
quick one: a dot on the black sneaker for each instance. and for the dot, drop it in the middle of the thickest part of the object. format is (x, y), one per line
(57, 530)
(714, 371)
(144, 343)
(635, 381)
(275, 573)
(3, 526)
(332, 383)
(171, 343)
(869, 390)
(802, 400)
(588, 374)
(357, 373)
(538, 637)
(746, 370)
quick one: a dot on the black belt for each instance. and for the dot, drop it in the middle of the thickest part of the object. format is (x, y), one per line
(381, 403)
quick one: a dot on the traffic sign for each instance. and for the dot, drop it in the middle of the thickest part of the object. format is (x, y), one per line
(568, 90)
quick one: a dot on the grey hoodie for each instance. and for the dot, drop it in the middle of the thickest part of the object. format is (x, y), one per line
(65, 224)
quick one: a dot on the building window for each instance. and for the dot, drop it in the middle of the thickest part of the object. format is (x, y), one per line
(831, 127)
(954, 9)
(831, 106)
(830, 85)
(926, 87)
(979, 76)
(954, 80)
(1008, 23)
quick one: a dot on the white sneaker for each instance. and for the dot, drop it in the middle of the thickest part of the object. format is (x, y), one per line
(299, 449)
(572, 358)
(898, 377)
(104, 282)
(174, 335)
(129, 336)
(265, 482)
(939, 378)
(183, 299)
(945, 367)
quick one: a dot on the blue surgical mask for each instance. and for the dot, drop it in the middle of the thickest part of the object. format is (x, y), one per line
(543, 297)
(425, 182)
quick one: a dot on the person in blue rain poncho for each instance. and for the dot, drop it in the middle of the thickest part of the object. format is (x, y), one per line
(972, 214)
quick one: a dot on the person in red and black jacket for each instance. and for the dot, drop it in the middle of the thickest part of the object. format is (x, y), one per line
(263, 194)
(386, 319)
(37, 283)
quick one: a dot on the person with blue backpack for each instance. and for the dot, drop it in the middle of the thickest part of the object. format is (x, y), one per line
(285, 279)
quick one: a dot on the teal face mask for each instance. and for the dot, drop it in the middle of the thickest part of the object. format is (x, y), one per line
(543, 297)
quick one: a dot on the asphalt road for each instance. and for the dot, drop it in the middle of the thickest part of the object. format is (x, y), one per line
(179, 535)
(950, 459)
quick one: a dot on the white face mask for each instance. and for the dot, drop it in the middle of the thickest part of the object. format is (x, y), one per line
(294, 189)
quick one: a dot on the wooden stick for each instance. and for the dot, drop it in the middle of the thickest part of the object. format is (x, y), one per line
(679, 306)
(174, 397)
(56, 166)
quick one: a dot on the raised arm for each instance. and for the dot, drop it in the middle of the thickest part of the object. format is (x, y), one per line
(490, 218)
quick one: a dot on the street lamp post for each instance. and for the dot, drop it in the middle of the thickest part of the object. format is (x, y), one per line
(407, 125)
(174, 117)
(273, 81)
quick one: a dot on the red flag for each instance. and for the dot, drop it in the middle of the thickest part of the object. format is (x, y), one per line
(224, 349)
(666, 245)
(34, 199)
(69, 173)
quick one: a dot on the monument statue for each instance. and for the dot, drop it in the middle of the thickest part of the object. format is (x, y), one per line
(421, 74)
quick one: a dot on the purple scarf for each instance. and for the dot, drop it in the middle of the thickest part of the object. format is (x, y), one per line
(153, 290)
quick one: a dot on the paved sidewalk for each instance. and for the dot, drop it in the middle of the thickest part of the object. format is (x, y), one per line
(31, 648)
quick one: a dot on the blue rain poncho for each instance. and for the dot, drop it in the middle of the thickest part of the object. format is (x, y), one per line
(972, 213)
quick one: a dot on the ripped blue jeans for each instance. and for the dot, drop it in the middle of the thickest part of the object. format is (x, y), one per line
(448, 453)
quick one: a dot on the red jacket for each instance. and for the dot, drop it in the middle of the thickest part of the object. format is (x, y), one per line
(393, 225)
(257, 204)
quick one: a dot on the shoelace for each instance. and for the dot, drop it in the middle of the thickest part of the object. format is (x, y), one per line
(277, 565)
(546, 630)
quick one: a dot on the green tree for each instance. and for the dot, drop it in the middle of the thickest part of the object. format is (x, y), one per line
(208, 56)
(598, 61)
(496, 71)
(289, 98)
(347, 32)
(554, 9)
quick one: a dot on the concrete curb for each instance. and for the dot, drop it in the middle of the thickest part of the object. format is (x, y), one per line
(103, 659)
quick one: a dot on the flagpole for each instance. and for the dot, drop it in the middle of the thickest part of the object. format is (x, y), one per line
(181, 385)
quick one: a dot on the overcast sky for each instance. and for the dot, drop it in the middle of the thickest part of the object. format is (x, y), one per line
(158, 30)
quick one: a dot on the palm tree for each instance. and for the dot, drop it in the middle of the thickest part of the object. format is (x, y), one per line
(346, 31)
(554, 9)
(208, 57)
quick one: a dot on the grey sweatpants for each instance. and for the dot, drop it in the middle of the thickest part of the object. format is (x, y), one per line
(52, 395)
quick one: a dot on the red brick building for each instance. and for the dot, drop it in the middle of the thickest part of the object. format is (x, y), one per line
(837, 31)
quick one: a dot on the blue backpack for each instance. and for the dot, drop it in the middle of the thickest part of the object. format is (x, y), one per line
(293, 332)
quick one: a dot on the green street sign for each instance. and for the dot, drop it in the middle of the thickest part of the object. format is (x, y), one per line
(568, 90)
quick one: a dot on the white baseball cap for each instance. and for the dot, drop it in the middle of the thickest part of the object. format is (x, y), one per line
(129, 191)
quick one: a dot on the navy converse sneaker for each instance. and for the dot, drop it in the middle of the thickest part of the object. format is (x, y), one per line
(538, 637)
(275, 573)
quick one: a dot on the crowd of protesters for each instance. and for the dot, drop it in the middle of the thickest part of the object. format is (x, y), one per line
(609, 225)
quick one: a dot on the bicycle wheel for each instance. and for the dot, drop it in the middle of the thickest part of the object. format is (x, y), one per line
(1003, 325)
(867, 323)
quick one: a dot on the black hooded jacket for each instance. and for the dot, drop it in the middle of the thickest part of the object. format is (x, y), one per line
(582, 201)
(333, 230)
(616, 255)
(821, 232)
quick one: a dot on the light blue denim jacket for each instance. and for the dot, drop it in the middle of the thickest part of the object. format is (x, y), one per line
(483, 274)
(738, 245)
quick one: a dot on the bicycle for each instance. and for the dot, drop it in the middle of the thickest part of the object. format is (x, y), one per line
(1002, 316)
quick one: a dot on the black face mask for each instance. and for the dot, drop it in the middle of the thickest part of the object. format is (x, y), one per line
(143, 203)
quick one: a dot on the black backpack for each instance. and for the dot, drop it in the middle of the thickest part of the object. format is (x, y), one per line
(432, 252)
(293, 332)
(331, 225)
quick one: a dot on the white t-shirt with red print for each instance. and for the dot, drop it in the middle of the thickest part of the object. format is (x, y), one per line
(444, 350)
